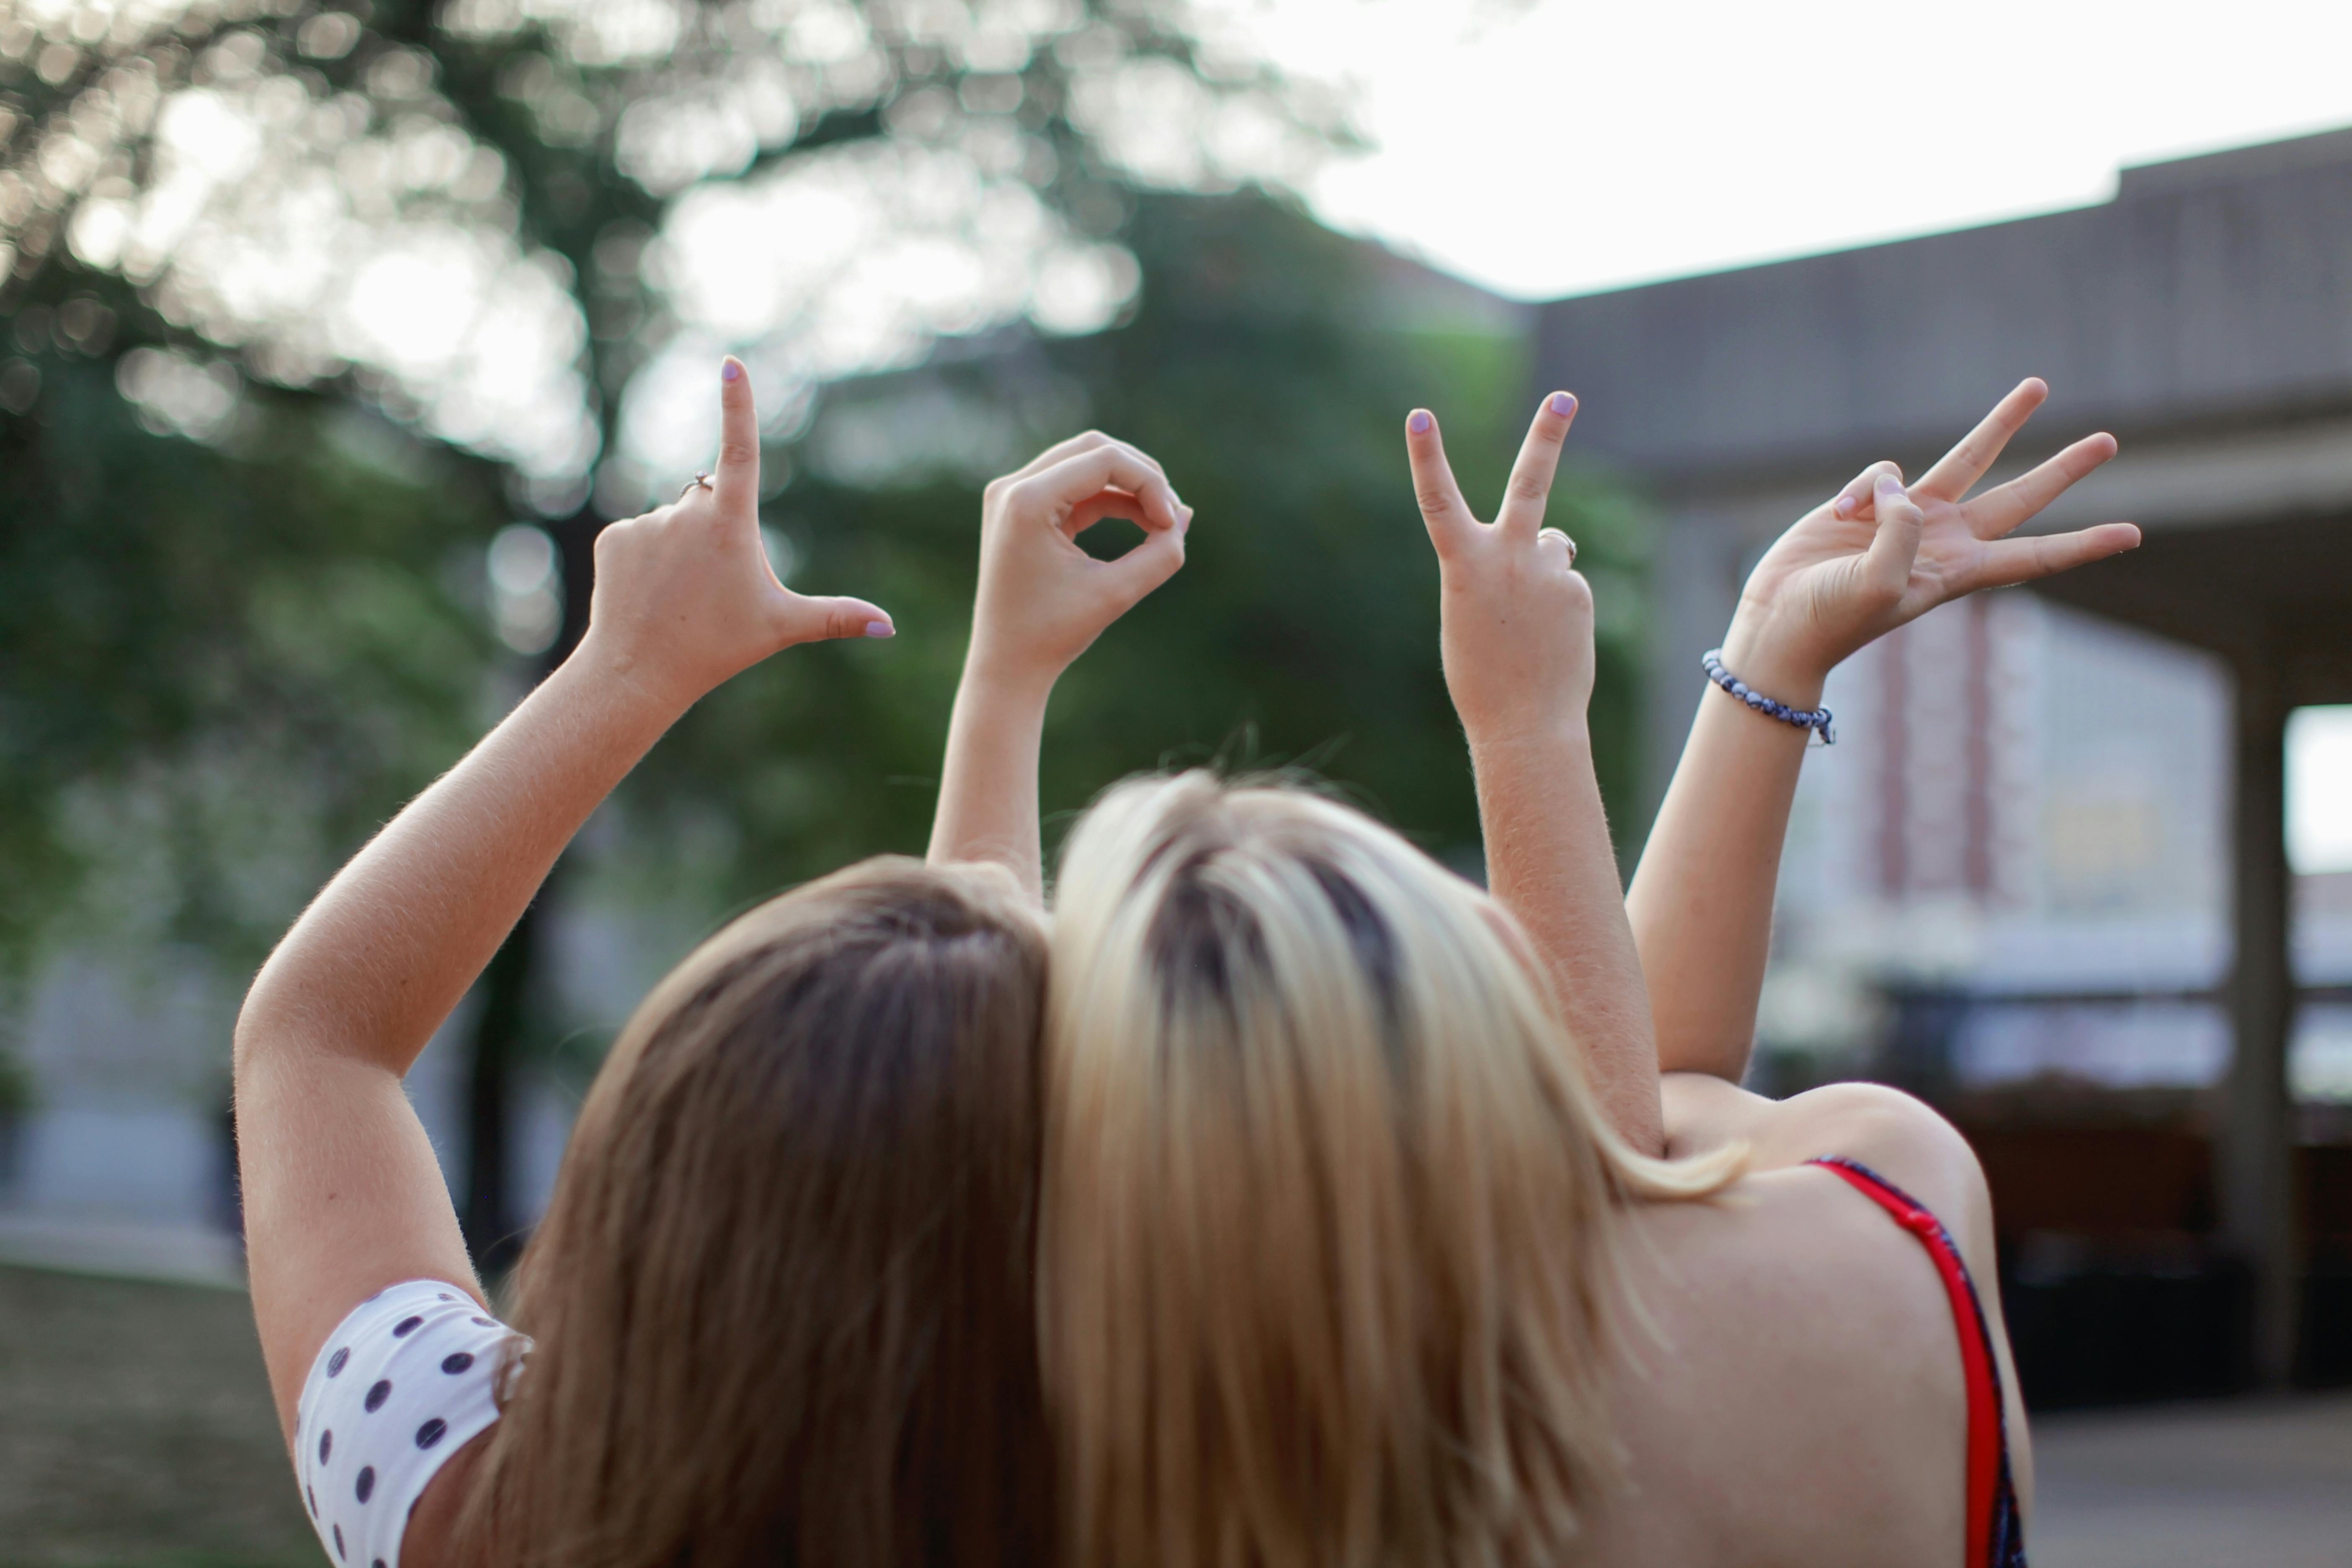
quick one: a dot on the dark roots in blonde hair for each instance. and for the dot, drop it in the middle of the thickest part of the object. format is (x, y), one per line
(782, 1301)
(1330, 1259)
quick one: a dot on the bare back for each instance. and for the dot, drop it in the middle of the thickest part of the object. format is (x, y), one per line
(1792, 1393)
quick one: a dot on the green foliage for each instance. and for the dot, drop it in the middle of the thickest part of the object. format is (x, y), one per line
(220, 665)
(1270, 367)
(16, 1095)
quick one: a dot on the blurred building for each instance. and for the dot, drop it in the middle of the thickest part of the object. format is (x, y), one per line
(2042, 875)
(124, 1161)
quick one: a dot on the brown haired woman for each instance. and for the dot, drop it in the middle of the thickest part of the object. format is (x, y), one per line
(779, 1310)
(1369, 1235)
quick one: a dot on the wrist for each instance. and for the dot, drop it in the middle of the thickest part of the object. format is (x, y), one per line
(1564, 733)
(632, 689)
(1774, 664)
(1000, 676)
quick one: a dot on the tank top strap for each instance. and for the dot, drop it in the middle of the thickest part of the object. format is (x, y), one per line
(1995, 1536)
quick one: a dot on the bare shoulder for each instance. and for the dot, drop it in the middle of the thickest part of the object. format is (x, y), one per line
(1790, 1365)
(1897, 1135)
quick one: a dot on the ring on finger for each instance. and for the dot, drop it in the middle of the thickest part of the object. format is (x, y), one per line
(702, 482)
(1564, 539)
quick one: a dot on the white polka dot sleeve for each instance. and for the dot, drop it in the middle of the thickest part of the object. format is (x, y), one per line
(402, 1383)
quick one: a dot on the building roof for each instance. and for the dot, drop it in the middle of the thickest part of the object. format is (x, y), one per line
(2204, 315)
(2210, 292)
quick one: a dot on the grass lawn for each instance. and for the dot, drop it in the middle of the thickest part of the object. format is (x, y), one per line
(136, 1430)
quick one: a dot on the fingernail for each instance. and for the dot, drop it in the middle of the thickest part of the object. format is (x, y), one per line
(1889, 485)
(881, 629)
(1420, 422)
(731, 371)
(1563, 404)
(1844, 506)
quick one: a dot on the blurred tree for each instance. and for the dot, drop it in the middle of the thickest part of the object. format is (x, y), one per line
(1269, 364)
(222, 662)
(524, 228)
(466, 213)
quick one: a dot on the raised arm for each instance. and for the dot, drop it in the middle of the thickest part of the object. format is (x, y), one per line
(341, 1193)
(1041, 603)
(1865, 562)
(1515, 631)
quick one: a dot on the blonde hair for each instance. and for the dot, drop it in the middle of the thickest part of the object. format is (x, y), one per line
(1328, 1250)
(784, 1294)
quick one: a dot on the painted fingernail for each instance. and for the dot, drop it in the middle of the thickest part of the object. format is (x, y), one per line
(731, 371)
(1420, 422)
(1563, 404)
(881, 629)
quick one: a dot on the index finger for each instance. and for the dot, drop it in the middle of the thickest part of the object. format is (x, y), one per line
(1965, 463)
(1070, 446)
(1111, 466)
(737, 479)
(1530, 484)
(1443, 510)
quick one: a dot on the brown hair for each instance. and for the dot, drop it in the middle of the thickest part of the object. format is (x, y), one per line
(782, 1297)
(1328, 1265)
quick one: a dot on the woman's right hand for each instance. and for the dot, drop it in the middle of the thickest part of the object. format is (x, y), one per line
(1042, 600)
(1876, 554)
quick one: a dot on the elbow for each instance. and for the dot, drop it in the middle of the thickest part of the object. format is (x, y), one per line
(245, 1041)
(259, 1024)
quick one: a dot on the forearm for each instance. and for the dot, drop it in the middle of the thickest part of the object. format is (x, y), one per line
(988, 785)
(1701, 902)
(1549, 862)
(388, 949)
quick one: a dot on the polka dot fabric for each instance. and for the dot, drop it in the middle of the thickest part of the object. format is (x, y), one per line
(404, 1383)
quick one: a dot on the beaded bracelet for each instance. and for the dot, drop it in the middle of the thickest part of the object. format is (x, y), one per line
(1804, 718)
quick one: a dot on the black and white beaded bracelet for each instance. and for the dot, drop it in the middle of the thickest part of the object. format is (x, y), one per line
(1815, 719)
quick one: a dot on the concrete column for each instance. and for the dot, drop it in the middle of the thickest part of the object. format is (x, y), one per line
(2254, 1151)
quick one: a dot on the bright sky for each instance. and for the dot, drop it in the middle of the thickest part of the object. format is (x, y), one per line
(1551, 147)
(1546, 147)
(2319, 789)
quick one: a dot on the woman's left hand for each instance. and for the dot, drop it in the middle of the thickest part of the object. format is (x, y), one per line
(685, 597)
(1515, 616)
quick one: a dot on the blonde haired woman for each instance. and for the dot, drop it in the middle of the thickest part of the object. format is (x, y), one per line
(1362, 1245)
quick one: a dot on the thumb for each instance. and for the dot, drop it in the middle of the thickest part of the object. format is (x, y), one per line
(1151, 563)
(1895, 544)
(825, 619)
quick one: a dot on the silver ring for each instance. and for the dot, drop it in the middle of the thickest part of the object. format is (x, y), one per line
(702, 482)
(1564, 539)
